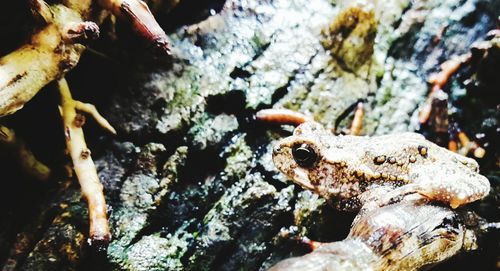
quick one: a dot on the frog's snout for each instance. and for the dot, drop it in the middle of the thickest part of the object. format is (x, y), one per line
(280, 148)
(281, 156)
(276, 149)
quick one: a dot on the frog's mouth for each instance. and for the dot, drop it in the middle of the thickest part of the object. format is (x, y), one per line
(300, 177)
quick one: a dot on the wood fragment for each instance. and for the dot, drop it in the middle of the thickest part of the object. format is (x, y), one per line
(92, 110)
(469, 146)
(452, 145)
(448, 68)
(435, 113)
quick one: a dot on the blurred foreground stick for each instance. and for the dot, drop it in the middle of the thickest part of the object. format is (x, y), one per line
(403, 236)
(141, 20)
(55, 48)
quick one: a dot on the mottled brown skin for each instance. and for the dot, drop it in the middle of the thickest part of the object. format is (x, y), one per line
(345, 167)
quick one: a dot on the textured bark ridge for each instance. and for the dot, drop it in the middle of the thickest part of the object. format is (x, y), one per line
(189, 180)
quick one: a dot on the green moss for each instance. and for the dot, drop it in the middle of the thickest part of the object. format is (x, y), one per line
(351, 36)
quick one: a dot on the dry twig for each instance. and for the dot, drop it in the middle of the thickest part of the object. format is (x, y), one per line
(439, 80)
(357, 122)
(52, 51)
(25, 157)
(92, 190)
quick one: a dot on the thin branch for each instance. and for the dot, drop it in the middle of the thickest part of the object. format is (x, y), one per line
(357, 122)
(80, 32)
(439, 80)
(92, 190)
(92, 110)
(25, 157)
(448, 68)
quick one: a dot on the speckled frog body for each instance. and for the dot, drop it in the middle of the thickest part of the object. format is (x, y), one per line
(342, 168)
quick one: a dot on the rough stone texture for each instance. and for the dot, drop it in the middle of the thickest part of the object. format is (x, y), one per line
(189, 179)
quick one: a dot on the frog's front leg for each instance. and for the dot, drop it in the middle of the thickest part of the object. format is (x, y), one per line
(451, 187)
(448, 186)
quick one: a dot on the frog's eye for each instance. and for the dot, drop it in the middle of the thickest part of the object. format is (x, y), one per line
(304, 155)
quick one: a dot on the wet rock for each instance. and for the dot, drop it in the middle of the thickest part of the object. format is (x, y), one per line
(212, 131)
(155, 253)
(61, 245)
(139, 197)
(190, 180)
(396, 100)
(231, 215)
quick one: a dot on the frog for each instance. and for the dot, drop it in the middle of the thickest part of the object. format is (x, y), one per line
(344, 168)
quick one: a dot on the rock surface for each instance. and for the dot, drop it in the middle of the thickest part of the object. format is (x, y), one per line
(190, 181)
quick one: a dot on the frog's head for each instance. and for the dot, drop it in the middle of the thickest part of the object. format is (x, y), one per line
(301, 155)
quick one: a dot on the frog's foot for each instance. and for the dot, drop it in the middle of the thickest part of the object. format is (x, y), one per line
(446, 185)
(438, 184)
(456, 192)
